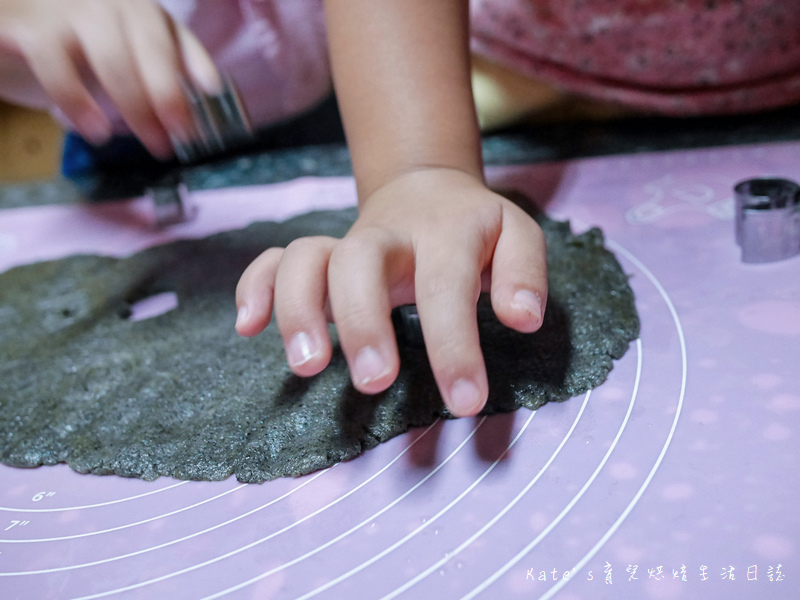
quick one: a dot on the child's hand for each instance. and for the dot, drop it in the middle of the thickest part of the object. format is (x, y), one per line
(433, 237)
(132, 48)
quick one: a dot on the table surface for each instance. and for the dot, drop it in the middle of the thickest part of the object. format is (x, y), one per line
(676, 478)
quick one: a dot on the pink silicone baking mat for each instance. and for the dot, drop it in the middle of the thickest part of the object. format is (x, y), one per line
(677, 478)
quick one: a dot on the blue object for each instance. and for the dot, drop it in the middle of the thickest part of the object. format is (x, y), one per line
(79, 157)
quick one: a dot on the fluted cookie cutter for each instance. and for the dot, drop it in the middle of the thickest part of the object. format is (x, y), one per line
(221, 124)
(767, 219)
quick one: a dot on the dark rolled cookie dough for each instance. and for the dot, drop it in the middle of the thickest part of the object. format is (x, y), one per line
(183, 395)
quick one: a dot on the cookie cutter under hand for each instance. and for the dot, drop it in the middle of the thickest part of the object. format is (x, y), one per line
(407, 326)
(767, 219)
(221, 124)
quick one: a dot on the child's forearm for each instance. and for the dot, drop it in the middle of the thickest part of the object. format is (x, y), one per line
(402, 75)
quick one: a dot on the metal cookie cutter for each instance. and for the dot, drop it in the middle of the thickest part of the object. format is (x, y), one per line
(407, 326)
(221, 124)
(170, 203)
(767, 219)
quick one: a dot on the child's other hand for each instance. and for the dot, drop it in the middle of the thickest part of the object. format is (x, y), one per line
(133, 49)
(432, 237)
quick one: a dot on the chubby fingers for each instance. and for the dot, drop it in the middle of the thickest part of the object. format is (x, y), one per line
(50, 48)
(122, 49)
(255, 291)
(447, 288)
(197, 61)
(139, 56)
(292, 283)
(156, 56)
(163, 51)
(54, 68)
(301, 292)
(360, 301)
(519, 272)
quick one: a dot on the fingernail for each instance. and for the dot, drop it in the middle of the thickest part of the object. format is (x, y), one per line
(465, 398)
(241, 316)
(208, 81)
(161, 149)
(529, 302)
(178, 134)
(96, 131)
(301, 349)
(368, 366)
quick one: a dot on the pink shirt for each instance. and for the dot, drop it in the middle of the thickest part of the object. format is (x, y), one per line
(671, 56)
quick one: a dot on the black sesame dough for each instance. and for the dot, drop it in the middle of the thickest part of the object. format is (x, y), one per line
(183, 395)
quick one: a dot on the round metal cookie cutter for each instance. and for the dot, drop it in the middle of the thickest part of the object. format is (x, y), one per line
(221, 124)
(767, 219)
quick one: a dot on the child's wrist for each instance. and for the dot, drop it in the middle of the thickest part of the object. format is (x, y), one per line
(421, 172)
